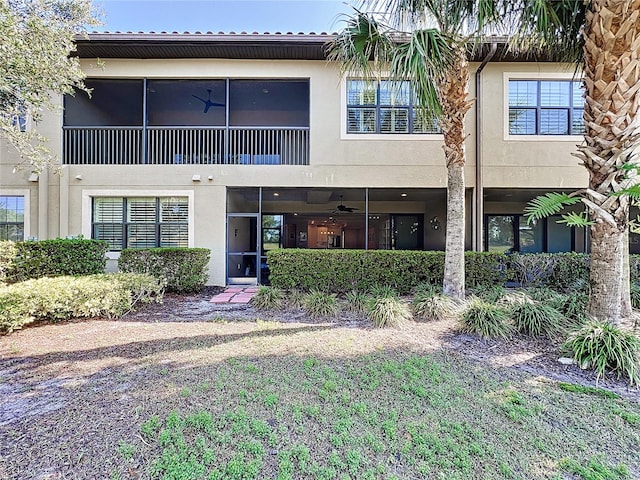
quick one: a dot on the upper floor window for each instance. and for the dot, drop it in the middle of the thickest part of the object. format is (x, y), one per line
(545, 107)
(385, 107)
(12, 217)
(141, 222)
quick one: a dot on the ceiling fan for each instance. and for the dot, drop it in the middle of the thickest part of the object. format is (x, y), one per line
(342, 208)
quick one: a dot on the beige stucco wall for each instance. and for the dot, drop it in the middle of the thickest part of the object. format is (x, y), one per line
(337, 159)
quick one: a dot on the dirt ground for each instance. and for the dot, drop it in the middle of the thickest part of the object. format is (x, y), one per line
(52, 377)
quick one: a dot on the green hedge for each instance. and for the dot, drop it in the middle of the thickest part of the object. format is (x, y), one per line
(52, 258)
(62, 298)
(184, 269)
(344, 270)
(8, 252)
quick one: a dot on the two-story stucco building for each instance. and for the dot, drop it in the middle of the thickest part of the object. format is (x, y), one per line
(242, 142)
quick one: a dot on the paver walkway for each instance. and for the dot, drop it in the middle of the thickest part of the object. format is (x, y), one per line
(235, 295)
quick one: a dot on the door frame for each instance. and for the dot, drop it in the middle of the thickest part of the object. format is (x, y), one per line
(258, 220)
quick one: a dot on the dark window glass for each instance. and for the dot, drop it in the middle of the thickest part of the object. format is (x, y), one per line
(531, 235)
(12, 217)
(500, 234)
(116, 103)
(186, 102)
(545, 107)
(385, 107)
(559, 238)
(277, 103)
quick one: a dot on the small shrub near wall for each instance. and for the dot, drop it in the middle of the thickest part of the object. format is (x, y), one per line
(65, 297)
(8, 252)
(62, 256)
(184, 269)
(345, 270)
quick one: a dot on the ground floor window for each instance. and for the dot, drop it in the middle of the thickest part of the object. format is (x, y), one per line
(512, 233)
(141, 222)
(12, 217)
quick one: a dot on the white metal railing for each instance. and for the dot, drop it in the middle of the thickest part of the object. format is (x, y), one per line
(186, 145)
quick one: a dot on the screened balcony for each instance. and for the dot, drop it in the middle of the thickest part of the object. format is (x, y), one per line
(170, 122)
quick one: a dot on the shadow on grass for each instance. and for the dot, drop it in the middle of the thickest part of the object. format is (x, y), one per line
(140, 349)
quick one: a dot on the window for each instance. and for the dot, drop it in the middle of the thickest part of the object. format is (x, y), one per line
(141, 222)
(545, 107)
(12, 217)
(512, 233)
(385, 107)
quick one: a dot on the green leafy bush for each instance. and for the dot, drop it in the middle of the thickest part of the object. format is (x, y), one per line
(345, 270)
(389, 312)
(8, 251)
(602, 346)
(184, 269)
(268, 298)
(62, 256)
(485, 319)
(65, 297)
(320, 305)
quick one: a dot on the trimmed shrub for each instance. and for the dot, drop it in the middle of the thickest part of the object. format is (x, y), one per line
(485, 319)
(62, 256)
(65, 297)
(389, 312)
(383, 291)
(559, 271)
(8, 251)
(345, 270)
(320, 305)
(267, 298)
(601, 346)
(184, 269)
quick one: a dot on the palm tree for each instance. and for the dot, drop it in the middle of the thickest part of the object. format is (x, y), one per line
(426, 42)
(603, 38)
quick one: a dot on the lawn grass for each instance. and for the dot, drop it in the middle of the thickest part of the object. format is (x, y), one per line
(385, 415)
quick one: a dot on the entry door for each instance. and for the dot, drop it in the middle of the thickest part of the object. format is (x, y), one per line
(243, 267)
(408, 232)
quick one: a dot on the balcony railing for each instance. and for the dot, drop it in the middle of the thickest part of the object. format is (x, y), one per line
(186, 145)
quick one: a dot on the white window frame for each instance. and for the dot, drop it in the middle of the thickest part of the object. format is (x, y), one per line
(89, 195)
(436, 137)
(26, 195)
(506, 76)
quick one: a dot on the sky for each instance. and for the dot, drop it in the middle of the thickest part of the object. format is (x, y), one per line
(222, 15)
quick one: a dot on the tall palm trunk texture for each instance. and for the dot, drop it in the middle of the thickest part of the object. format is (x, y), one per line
(454, 92)
(612, 80)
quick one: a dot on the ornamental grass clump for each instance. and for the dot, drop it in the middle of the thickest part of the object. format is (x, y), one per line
(383, 291)
(432, 305)
(356, 301)
(294, 299)
(486, 320)
(267, 298)
(389, 312)
(536, 319)
(573, 306)
(603, 347)
(320, 304)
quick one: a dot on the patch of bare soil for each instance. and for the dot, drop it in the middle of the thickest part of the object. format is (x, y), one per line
(69, 392)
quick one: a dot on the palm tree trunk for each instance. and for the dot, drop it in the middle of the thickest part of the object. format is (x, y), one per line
(612, 76)
(454, 94)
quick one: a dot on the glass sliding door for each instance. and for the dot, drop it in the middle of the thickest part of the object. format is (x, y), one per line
(243, 261)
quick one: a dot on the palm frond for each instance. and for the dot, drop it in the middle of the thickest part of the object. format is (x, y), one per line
(364, 46)
(574, 219)
(548, 204)
(632, 192)
(549, 27)
(424, 59)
